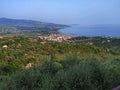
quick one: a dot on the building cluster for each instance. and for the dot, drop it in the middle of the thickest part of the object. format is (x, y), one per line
(107, 41)
(55, 37)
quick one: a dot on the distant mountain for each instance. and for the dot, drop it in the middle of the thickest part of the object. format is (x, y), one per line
(28, 26)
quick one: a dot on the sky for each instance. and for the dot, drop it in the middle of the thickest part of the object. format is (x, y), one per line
(63, 11)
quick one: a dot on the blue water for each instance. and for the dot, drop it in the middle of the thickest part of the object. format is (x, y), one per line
(98, 30)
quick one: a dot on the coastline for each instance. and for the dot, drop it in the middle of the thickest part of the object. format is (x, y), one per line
(71, 30)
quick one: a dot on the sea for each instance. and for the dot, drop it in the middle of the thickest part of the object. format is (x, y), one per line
(92, 30)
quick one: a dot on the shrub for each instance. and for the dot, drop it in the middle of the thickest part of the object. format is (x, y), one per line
(69, 74)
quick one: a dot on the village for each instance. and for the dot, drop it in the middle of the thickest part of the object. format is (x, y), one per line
(55, 37)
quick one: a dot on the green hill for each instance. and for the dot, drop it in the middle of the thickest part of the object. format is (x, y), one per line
(27, 64)
(27, 27)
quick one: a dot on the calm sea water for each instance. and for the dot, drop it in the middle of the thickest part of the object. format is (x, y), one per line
(101, 30)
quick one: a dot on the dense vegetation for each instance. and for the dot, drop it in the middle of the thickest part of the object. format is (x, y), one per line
(68, 74)
(59, 66)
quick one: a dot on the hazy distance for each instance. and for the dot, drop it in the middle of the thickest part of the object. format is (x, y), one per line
(63, 11)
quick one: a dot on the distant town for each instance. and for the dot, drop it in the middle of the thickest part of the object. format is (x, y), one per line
(55, 37)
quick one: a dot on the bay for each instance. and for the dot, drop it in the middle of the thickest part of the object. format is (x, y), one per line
(92, 30)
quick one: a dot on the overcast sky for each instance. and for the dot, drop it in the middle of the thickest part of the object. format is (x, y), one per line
(63, 11)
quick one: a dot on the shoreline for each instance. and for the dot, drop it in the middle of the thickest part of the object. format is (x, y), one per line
(104, 36)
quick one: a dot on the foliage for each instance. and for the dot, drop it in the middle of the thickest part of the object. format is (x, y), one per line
(58, 66)
(83, 75)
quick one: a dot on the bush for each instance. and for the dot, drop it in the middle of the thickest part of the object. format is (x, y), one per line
(69, 74)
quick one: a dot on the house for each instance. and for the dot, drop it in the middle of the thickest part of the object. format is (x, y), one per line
(41, 37)
(29, 65)
(19, 45)
(43, 42)
(108, 40)
(1, 37)
(5, 46)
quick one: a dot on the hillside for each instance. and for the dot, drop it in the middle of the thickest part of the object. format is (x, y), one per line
(26, 63)
(28, 27)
